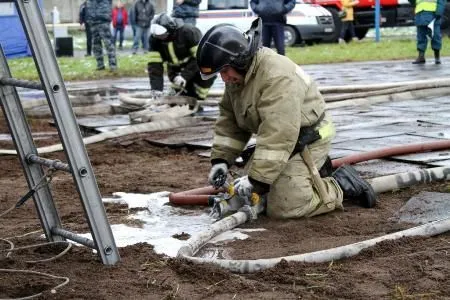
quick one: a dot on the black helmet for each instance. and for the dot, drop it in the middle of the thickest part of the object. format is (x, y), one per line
(226, 45)
(170, 24)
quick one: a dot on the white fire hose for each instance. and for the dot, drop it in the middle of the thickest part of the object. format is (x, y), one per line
(380, 184)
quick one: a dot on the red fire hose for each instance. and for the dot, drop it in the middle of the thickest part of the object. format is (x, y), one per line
(197, 196)
(200, 196)
(392, 151)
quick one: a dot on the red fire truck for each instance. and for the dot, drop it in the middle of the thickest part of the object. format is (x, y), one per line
(393, 13)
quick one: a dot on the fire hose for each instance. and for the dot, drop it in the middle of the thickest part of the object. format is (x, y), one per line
(380, 184)
(202, 196)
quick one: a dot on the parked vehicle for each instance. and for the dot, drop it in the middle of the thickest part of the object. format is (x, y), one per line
(306, 23)
(394, 13)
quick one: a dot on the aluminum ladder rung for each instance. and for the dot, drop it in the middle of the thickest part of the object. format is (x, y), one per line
(74, 237)
(54, 164)
(21, 83)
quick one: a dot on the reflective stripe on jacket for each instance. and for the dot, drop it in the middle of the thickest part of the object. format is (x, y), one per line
(425, 5)
(275, 101)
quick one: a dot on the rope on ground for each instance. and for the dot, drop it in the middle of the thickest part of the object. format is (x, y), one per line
(53, 290)
(68, 247)
(8, 211)
(11, 244)
(41, 182)
(24, 235)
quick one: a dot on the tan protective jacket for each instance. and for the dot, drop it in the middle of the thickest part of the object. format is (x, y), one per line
(275, 101)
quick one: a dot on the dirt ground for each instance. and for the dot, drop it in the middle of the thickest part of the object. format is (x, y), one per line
(413, 268)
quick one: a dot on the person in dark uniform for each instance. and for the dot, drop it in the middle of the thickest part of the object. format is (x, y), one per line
(87, 28)
(99, 16)
(273, 15)
(175, 43)
(187, 10)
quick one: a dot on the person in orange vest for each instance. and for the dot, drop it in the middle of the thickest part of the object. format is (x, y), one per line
(347, 20)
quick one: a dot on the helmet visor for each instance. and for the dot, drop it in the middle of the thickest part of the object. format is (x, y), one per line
(157, 29)
(212, 59)
(206, 76)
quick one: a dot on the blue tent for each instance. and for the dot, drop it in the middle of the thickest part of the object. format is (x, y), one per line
(12, 37)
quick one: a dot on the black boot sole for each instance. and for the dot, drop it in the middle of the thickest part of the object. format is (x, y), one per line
(368, 197)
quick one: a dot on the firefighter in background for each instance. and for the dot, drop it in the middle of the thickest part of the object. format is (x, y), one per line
(267, 94)
(175, 43)
(428, 14)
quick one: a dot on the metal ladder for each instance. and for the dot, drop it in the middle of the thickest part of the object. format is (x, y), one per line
(78, 162)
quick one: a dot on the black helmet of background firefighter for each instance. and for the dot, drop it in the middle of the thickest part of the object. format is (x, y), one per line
(167, 22)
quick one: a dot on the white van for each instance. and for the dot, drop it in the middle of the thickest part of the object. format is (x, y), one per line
(305, 23)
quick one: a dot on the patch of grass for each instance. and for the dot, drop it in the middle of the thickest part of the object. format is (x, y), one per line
(136, 65)
(83, 68)
(365, 50)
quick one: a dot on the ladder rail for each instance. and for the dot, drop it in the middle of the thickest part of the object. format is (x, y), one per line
(54, 88)
(24, 145)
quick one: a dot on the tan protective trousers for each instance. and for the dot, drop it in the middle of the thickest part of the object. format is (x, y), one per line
(293, 195)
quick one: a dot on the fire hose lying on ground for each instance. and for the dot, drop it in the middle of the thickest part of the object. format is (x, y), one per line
(380, 185)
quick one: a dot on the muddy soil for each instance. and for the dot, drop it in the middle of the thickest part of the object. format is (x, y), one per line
(413, 268)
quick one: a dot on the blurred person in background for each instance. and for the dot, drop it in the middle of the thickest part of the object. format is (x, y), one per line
(187, 10)
(119, 22)
(98, 16)
(87, 28)
(142, 18)
(273, 15)
(347, 21)
(428, 21)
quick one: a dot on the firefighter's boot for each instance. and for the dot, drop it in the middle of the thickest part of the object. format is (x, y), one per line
(354, 187)
(156, 75)
(437, 57)
(420, 60)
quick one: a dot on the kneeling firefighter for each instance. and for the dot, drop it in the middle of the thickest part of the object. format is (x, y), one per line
(176, 44)
(268, 95)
